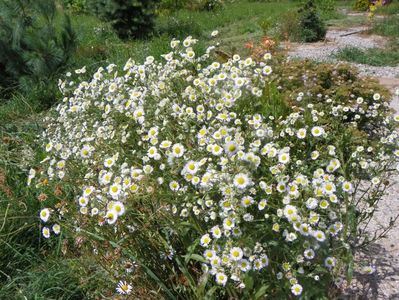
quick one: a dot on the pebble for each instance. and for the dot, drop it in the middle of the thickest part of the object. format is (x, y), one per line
(337, 39)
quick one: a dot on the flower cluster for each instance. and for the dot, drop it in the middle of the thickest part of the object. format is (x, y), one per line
(266, 195)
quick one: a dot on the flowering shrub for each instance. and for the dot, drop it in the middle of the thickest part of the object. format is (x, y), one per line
(195, 179)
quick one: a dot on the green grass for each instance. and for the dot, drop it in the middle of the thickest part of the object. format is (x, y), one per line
(388, 26)
(46, 280)
(391, 9)
(30, 266)
(238, 22)
(98, 45)
(373, 57)
(348, 21)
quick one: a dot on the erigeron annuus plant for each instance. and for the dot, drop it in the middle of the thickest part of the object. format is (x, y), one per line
(170, 163)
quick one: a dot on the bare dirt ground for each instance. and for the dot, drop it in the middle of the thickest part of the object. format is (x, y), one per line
(383, 284)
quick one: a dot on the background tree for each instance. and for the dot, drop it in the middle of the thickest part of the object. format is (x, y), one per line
(313, 28)
(129, 18)
(36, 42)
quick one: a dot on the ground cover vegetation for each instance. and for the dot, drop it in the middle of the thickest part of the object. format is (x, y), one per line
(183, 167)
(384, 21)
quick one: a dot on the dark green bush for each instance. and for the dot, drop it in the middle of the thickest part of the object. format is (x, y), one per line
(36, 42)
(130, 19)
(303, 25)
(312, 27)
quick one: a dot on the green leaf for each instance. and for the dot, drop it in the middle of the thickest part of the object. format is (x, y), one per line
(191, 250)
(261, 292)
(195, 257)
(211, 292)
(249, 282)
(349, 274)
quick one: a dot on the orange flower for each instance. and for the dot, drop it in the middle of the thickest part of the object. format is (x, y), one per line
(267, 42)
(249, 45)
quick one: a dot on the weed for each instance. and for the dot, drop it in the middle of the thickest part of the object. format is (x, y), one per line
(373, 57)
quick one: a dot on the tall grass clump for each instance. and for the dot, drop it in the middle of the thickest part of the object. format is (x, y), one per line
(388, 26)
(29, 267)
(192, 178)
(389, 9)
(373, 57)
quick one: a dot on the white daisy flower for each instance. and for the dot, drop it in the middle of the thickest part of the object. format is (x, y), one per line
(83, 201)
(317, 131)
(178, 150)
(45, 214)
(115, 190)
(205, 240)
(284, 157)
(85, 152)
(301, 133)
(376, 96)
(46, 232)
(319, 235)
(330, 262)
(221, 278)
(216, 232)
(118, 207)
(267, 56)
(289, 211)
(111, 216)
(267, 70)
(231, 148)
(109, 162)
(191, 167)
(214, 33)
(309, 253)
(296, 289)
(209, 254)
(174, 185)
(241, 181)
(236, 253)
(124, 288)
(56, 229)
(347, 186)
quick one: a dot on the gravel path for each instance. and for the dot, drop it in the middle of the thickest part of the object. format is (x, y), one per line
(383, 254)
(383, 284)
(338, 38)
